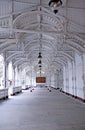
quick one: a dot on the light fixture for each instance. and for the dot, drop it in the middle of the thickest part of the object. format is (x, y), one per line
(54, 4)
(40, 66)
(40, 62)
(40, 71)
(39, 56)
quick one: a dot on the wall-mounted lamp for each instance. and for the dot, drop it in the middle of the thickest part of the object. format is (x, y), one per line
(54, 4)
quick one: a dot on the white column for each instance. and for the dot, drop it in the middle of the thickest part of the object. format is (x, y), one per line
(67, 78)
(64, 78)
(50, 78)
(75, 88)
(16, 76)
(5, 72)
(13, 79)
(83, 74)
(73, 77)
(5, 75)
(31, 76)
(56, 80)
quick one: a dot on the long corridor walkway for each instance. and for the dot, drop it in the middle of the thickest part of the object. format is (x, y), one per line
(42, 110)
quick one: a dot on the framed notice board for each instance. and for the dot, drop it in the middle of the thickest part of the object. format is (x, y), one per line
(40, 79)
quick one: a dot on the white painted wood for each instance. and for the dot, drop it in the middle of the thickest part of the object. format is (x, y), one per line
(23, 24)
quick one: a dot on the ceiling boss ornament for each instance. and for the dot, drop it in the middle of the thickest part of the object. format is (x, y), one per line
(54, 4)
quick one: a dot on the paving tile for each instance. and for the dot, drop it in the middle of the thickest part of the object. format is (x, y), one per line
(42, 110)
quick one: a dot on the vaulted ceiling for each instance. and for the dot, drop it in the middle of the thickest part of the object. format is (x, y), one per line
(27, 24)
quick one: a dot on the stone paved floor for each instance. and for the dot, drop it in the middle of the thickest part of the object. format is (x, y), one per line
(42, 110)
